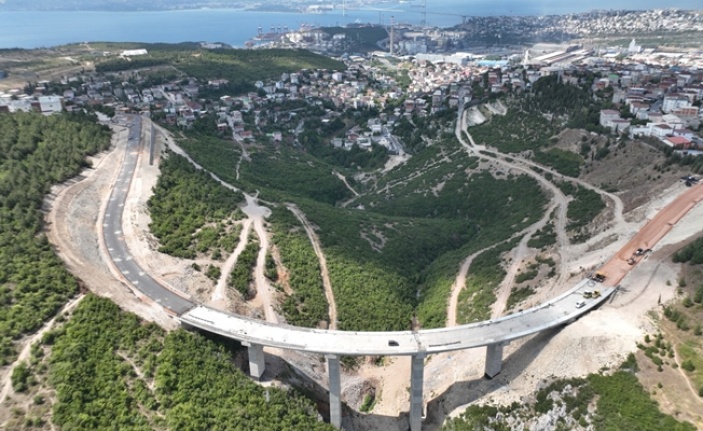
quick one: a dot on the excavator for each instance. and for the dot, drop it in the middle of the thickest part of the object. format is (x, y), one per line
(639, 252)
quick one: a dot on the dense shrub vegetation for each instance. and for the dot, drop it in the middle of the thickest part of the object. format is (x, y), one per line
(242, 274)
(692, 253)
(187, 208)
(113, 371)
(289, 172)
(691, 162)
(307, 305)
(35, 152)
(564, 162)
(514, 132)
(544, 237)
(621, 404)
(485, 274)
(584, 207)
(378, 258)
(277, 175)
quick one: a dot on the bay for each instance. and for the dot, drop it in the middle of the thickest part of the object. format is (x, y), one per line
(235, 27)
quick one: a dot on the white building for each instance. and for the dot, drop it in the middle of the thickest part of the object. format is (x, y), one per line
(607, 116)
(413, 47)
(634, 48)
(50, 104)
(134, 52)
(675, 102)
(661, 130)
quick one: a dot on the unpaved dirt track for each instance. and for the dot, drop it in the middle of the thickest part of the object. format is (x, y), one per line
(24, 354)
(346, 183)
(459, 285)
(559, 202)
(519, 253)
(264, 291)
(219, 295)
(324, 273)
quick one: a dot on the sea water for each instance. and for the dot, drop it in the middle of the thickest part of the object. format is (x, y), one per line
(25, 29)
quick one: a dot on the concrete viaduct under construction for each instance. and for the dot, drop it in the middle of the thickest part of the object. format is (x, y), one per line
(493, 334)
(256, 334)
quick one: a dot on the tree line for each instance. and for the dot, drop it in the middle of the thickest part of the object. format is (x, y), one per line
(36, 152)
(110, 370)
(692, 253)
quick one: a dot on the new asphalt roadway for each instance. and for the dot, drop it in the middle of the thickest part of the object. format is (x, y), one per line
(131, 272)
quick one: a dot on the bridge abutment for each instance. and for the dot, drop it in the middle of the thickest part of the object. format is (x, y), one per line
(417, 375)
(335, 391)
(257, 365)
(494, 359)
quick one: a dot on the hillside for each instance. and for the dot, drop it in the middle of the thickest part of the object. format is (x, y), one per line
(35, 153)
(469, 223)
(381, 255)
(104, 368)
(240, 67)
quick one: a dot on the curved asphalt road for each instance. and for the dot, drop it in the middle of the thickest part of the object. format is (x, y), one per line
(114, 238)
(558, 311)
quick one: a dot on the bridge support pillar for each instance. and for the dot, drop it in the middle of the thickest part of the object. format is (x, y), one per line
(335, 391)
(257, 365)
(417, 374)
(494, 359)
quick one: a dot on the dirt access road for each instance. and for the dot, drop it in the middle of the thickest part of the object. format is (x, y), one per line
(617, 267)
(317, 247)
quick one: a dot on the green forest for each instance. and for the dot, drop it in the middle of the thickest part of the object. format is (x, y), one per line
(307, 305)
(191, 212)
(112, 371)
(243, 272)
(381, 260)
(35, 153)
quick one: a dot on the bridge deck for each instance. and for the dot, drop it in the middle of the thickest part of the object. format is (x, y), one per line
(555, 312)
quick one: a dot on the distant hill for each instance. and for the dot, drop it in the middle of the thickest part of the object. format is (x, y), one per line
(117, 5)
(240, 67)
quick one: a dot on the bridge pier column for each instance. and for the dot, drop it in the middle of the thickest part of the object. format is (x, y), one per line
(417, 374)
(494, 359)
(257, 365)
(335, 391)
